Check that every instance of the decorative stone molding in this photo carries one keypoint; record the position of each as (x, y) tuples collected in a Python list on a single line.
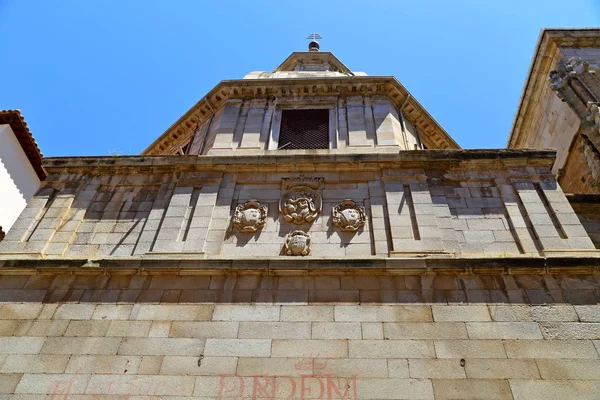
[(432, 132), (313, 183), (348, 216), (297, 243), (250, 216), (593, 113), (300, 205), (557, 80), (576, 66)]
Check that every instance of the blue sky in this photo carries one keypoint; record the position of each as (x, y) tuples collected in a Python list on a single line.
[(99, 77)]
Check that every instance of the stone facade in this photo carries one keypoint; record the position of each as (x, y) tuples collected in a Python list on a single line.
[(98, 335), (375, 269)]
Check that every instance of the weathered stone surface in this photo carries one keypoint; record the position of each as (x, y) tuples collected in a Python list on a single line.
[(471, 389), (554, 390)]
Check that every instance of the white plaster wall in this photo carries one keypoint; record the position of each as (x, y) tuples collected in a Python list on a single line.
[(18, 180)]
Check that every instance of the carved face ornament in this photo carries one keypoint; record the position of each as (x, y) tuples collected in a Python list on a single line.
[(297, 243), (250, 216), (348, 216), (300, 205)]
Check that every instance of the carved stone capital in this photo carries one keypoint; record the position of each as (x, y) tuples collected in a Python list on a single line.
[(348, 216), (297, 243), (250, 216)]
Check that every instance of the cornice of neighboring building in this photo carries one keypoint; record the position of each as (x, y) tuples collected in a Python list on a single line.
[(18, 125), (434, 136), (543, 60)]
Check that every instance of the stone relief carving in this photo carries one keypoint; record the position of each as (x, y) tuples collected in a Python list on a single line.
[(348, 216), (593, 113), (576, 66), (557, 80), (313, 183), (301, 203), (250, 216), (297, 243)]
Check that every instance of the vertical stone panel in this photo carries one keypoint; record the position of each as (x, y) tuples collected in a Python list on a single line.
[(212, 129), (200, 137), (67, 231), (342, 131), (266, 126), (412, 217), (254, 123), (370, 121), (225, 126), (387, 123), (537, 213), (154, 219), (219, 219), (171, 224), (239, 126), (199, 221), (377, 214), (357, 134)]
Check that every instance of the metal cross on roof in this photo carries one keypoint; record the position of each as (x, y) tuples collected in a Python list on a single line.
[(314, 36)]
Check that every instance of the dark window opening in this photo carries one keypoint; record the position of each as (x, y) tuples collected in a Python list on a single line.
[(183, 150), (304, 129)]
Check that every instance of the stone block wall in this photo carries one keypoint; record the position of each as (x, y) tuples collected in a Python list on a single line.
[(474, 208), (356, 123), (105, 334)]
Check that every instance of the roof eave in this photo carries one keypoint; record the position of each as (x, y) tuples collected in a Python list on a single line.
[(221, 86)]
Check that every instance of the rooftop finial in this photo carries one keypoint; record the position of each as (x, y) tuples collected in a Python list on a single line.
[(314, 45)]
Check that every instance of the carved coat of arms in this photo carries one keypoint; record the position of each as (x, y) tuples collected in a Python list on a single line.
[(301, 203), (250, 216), (349, 216), (297, 243)]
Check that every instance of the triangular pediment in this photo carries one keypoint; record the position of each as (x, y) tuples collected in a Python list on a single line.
[(313, 61)]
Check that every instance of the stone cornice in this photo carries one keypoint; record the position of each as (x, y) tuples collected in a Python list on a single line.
[(304, 161), (573, 264), (434, 136), (550, 40)]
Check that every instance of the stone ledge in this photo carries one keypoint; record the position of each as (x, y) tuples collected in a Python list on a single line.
[(288, 161), (304, 266)]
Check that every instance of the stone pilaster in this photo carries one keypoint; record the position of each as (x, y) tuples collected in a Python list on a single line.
[(225, 126), (254, 125), (342, 131), (386, 122), (357, 134)]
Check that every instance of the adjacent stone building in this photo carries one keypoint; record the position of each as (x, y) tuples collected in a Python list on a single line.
[(559, 110), (307, 233)]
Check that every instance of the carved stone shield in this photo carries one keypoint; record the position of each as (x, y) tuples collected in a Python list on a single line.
[(349, 216), (250, 216), (300, 205), (297, 243)]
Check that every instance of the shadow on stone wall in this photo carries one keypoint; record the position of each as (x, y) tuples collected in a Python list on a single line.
[(318, 289)]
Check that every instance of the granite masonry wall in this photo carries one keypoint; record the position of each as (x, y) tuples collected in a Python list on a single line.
[(355, 122), (169, 207), (472, 277), (106, 335)]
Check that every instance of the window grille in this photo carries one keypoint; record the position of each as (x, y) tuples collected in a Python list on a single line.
[(304, 129)]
